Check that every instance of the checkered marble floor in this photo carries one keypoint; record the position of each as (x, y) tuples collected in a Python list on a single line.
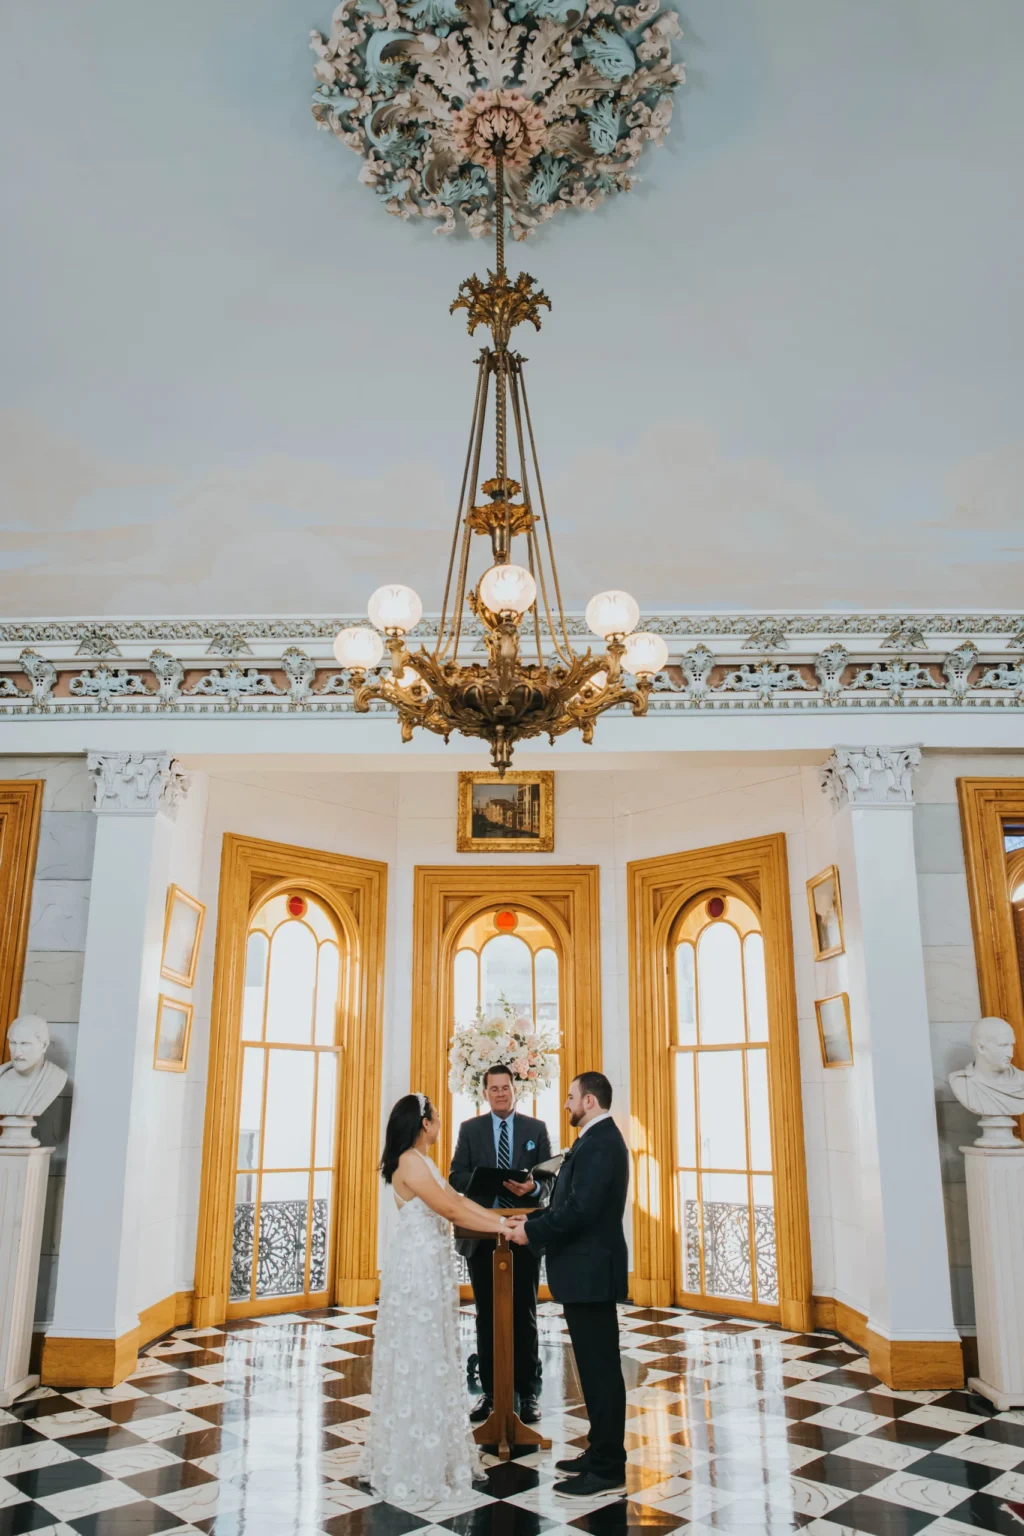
[(254, 1429)]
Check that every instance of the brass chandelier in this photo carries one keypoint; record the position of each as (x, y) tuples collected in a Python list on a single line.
[(508, 699)]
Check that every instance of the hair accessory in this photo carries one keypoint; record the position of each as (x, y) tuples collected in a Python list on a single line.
[(423, 1103)]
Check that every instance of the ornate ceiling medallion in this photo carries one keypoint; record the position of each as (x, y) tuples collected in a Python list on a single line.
[(421, 90)]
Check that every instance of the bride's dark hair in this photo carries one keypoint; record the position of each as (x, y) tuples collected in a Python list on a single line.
[(404, 1125)]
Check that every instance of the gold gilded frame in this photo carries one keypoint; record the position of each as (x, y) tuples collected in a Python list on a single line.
[(984, 804), (659, 889), (818, 1006), (465, 842), (21, 806), (355, 891), (445, 899), (182, 1007), (174, 895), (831, 873)]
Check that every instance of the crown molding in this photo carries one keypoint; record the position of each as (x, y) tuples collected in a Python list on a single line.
[(213, 636)]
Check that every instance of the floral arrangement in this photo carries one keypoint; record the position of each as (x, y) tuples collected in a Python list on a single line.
[(499, 1039), (584, 86)]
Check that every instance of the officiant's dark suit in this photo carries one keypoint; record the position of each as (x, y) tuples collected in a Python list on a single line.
[(580, 1234), (479, 1145)]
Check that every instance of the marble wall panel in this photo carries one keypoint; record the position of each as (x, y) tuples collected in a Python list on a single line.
[(52, 984), (60, 913), (66, 842)]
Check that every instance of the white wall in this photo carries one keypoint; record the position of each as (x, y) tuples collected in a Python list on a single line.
[(601, 817)]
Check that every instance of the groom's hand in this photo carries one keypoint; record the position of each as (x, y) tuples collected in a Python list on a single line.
[(525, 1188), (517, 1231)]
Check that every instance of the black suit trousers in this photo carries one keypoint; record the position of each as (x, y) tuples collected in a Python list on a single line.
[(594, 1332), (526, 1353)]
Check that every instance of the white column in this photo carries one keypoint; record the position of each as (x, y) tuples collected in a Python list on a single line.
[(907, 1258), (98, 1259)]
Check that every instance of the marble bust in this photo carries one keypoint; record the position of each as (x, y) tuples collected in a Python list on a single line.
[(991, 1086), (28, 1082)]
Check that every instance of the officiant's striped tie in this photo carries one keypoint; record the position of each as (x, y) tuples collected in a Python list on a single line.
[(504, 1161)]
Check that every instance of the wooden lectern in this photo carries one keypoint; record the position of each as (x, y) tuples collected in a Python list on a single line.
[(504, 1428)]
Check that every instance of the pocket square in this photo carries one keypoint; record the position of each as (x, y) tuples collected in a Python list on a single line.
[(531, 1146)]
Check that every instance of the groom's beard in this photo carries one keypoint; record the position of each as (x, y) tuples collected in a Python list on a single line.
[(575, 1118)]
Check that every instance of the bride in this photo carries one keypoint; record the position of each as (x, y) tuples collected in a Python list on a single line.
[(419, 1449)]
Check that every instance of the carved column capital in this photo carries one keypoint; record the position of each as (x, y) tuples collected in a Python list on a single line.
[(137, 783), (870, 776)]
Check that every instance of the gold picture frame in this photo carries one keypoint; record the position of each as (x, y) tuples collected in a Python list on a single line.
[(184, 916), (835, 1035), (173, 1034), (825, 907), (514, 814)]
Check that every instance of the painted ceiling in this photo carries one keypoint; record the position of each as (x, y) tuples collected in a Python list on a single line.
[(786, 372)]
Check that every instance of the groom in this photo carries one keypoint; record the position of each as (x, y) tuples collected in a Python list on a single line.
[(580, 1234), (503, 1139)]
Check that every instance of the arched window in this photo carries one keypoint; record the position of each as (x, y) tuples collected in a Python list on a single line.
[(510, 953), (723, 1143), (287, 1126)]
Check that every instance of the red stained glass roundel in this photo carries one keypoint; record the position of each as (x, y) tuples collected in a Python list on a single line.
[(716, 907), (297, 906), (505, 921)]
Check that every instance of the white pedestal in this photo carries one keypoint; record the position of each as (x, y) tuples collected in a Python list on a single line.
[(23, 1175), (995, 1210)]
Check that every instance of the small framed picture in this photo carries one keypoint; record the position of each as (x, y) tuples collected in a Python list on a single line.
[(173, 1031), (834, 1030), (515, 814), (183, 932), (826, 910)]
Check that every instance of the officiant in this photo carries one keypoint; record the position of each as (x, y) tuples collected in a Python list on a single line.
[(503, 1138)]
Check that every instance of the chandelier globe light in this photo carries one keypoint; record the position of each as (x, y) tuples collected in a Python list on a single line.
[(498, 694), (395, 609), (612, 613), (644, 654), (358, 647)]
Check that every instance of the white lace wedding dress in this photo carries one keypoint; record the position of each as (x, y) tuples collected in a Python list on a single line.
[(419, 1449)]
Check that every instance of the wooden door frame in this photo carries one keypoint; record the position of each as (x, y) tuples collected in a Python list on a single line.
[(755, 870), (983, 805), (445, 898), (355, 891), (21, 808)]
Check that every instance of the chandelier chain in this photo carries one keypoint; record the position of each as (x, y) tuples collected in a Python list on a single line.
[(547, 531), (443, 637)]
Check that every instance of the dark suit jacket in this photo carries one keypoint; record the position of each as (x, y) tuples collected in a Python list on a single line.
[(475, 1149), (580, 1232)]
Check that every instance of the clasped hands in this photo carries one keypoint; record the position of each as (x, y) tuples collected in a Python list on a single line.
[(515, 1229)]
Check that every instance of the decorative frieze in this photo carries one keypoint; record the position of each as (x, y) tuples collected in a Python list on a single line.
[(870, 776), (192, 671), (137, 783)]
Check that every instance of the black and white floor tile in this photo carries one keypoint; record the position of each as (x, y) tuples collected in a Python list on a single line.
[(255, 1429)]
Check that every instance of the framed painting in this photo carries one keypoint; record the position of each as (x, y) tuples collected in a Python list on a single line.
[(183, 932), (834, 1033), (515, 814), (173, 1032), (826, 913)]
